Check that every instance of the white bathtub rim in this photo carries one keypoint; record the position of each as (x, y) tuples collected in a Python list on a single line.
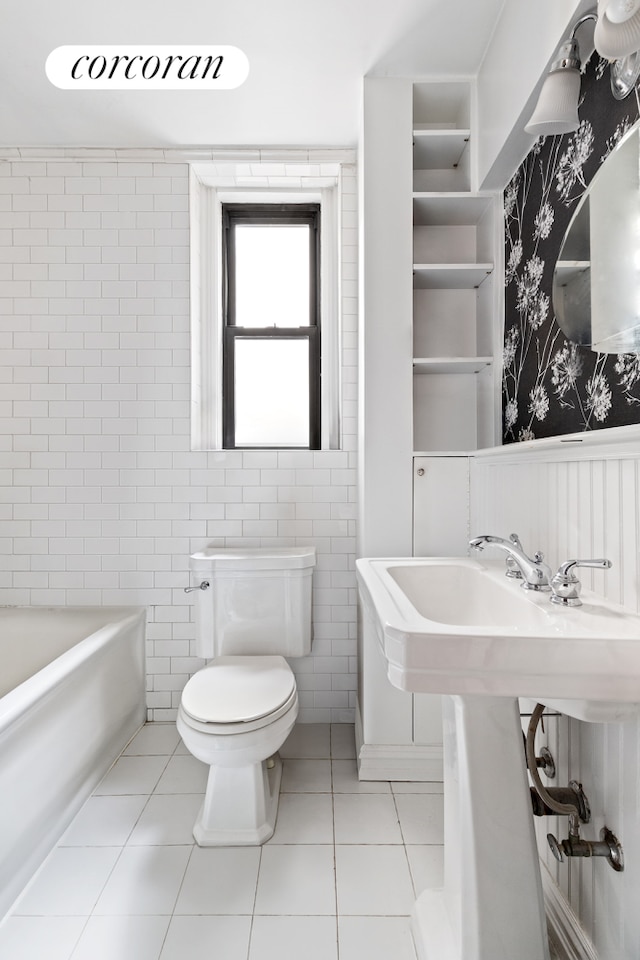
[(17, 701)]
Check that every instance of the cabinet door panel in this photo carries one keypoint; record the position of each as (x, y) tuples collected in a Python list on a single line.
[(440, 506)]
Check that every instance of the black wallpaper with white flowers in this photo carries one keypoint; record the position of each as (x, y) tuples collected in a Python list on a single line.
[(551, 386)]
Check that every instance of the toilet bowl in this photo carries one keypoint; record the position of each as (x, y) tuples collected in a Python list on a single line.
[(237, 711), (236, 714)]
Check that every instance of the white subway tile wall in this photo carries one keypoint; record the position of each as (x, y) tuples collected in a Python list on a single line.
[(101, 498)]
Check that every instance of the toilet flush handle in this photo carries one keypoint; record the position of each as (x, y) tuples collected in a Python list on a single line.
[(204, 585)]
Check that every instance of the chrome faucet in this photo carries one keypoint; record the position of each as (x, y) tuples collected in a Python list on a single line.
[(536, 575)]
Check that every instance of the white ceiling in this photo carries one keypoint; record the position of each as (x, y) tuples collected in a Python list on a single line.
[(307, 59)]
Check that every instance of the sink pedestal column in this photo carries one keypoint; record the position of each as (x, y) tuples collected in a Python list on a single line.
[(491, 907)]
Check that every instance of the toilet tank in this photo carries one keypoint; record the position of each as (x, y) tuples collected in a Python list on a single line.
[(258, 601)]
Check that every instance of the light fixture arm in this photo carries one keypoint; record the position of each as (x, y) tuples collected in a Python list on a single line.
[(568, 54), (578, 24), (568, 57)]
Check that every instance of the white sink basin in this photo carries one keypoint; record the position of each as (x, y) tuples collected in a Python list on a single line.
[(462, 593), (459, 626)]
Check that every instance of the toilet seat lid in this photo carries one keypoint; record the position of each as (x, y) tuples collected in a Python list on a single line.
[(236, 689)]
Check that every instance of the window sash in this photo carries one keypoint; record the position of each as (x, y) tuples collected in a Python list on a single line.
[(231, 336), (270, 214)]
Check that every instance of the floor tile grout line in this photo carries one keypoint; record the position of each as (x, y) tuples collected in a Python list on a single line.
[(404, 847), (255, 899), (97, 899), (130, 834), (146, 756), (335, 857), (175, 902), (79, 937)]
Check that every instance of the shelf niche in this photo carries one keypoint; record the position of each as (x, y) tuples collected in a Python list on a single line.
[(441, 134)]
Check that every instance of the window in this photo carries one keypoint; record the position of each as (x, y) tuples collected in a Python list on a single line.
[(271, 325), (218, 191)]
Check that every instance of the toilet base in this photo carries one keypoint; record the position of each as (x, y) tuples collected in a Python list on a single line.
[(240, 805)]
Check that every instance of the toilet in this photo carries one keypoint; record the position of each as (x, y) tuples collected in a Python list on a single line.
[(253, 609)]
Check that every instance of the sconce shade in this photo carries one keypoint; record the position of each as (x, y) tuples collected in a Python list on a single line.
[(557, 108), (617, 31)]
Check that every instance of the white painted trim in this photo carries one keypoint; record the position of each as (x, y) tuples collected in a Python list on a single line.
[(615, 443), (565, 933), (184, 154), (206, 345), (414, 763), (330, 313), (397, 762), (210, 187), (394, 762)]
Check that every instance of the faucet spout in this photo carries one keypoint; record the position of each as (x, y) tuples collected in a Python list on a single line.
[(536, 575)]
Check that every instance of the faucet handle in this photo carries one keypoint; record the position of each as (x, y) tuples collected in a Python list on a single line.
[(566, 585), (513, 570)]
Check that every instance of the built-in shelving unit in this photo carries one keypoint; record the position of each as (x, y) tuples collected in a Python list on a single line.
[(453, 265), (431, 252)]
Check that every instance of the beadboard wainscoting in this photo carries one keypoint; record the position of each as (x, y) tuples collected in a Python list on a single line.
[(102, 498), (581, 499)]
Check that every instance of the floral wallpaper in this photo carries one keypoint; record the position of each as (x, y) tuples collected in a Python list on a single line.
[(551, 386)]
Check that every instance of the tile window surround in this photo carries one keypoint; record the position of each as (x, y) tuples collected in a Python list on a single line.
[(101, 498)]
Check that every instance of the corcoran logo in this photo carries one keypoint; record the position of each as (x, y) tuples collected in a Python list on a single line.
[(144, 67)]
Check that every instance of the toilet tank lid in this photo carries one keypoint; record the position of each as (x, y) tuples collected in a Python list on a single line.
[(253, 558)]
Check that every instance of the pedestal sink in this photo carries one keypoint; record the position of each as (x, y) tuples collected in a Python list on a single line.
[(459, 627)]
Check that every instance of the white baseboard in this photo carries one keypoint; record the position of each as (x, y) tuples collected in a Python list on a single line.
[(416, 762), (565, 933)]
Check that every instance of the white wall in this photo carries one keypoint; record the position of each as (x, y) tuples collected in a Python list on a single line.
[(523, 44), (386, 327), (569, 507), (101, 498)]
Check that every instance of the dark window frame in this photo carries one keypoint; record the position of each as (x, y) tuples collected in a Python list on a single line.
[(234, 214)]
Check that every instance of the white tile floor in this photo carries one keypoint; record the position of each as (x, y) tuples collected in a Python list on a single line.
[(335, 882)]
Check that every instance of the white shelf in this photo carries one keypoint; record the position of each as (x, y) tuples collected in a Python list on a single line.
[(438, 128), (456, 209), (568, 269), (450, 276), (444, 453), (437, 148), (455, 365)]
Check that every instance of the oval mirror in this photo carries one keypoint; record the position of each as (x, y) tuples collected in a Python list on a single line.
[(596, 283)]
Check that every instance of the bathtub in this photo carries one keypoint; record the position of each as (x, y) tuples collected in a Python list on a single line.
[(72, 689)]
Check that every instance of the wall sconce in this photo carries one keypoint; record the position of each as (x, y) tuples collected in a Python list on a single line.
[(557, 107), (617, 32), (616, 37)]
